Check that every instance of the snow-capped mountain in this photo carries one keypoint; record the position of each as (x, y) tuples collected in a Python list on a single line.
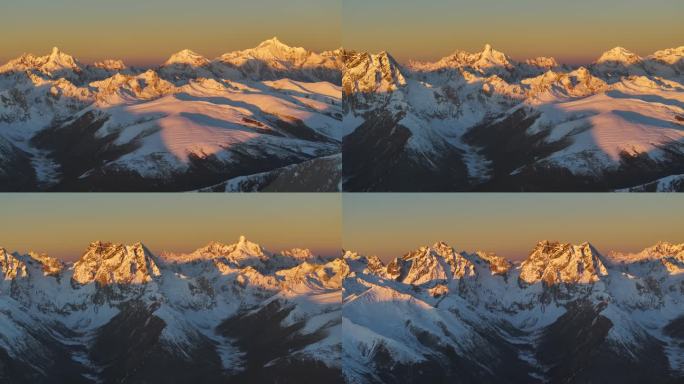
[(483, 121), (189, 124), (225, 313), (272, 60), (566, 313)]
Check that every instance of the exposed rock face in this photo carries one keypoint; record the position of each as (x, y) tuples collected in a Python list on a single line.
[(555, 263), (50, 265), (11, 266), (498, 264), (108, 263)]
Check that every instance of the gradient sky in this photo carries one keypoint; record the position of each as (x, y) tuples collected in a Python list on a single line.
[(575, 32), (64, 224), (390, 225), (148, 31)]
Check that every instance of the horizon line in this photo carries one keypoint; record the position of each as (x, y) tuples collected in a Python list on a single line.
[(157, 61), (515, 260), (164, 252), (435, 58)]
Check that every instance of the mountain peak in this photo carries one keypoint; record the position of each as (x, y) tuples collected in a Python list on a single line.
[(187, 57), (110, 263), (371, 73), (669, 56), (242, 254), (11, 267), (110, 64), (490, 57), (620, 55), (497, 264), (553, 262), (658, 251), (542, 62), (247, 247), (487, 61), (276, 49), (437, 263), (273, 41), (59, 61), (51, 266), (298, 253)]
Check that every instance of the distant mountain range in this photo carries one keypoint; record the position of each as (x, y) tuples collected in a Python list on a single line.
[(566, 314), (237, 313), (189, 124), (485, 122), (225, 313), (279, 118)]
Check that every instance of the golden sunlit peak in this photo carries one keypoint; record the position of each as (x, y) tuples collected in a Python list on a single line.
[(187, 56), (619, 54), (272, 41), (57, 53), (275, 43)]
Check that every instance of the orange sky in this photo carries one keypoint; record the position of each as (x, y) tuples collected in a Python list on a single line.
[(63, 224), (388, 225), (510, 224), (575, 32), (145, 32)]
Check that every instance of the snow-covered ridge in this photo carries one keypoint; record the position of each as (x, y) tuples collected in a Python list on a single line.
[(113, 263), (272, 53), (549, 262)]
